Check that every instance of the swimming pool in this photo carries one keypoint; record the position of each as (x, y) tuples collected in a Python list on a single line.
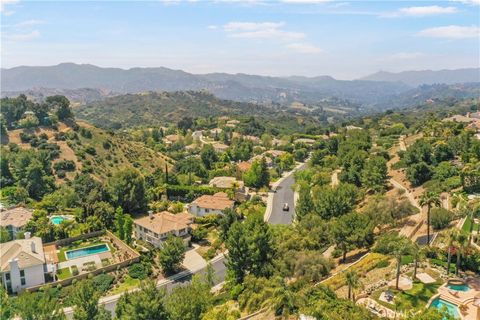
[(82, 252), (452, 309), (458, 287), (56, 220)]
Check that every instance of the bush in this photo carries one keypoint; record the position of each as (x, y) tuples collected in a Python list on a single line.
[(103, 282), (74, 270), (199, 234), (65, 165), (91, 150), (382, 264), (138, 271), (440, 218)]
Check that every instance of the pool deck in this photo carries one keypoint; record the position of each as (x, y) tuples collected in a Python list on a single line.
[(461, 297), (97, 258)]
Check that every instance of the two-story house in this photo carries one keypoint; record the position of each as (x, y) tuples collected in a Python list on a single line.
[(22, 263), (156, 227)]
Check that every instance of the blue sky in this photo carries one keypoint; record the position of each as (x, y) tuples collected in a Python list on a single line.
[(345, 39)]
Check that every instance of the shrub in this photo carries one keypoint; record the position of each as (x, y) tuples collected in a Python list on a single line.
[(440, 218), (382, 264), (91, 150), (103, 282), (199, 234), (138, 271), (65, 165), (74, 270)]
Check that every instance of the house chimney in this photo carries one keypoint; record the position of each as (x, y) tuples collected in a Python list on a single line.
[(33, 247), (27, 235), (150, 214)]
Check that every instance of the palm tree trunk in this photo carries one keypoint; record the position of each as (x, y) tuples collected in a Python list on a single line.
[(471, 231), (458, 262), (428, 225), (449, 259), (353, 296), (399, 261), (349, 291), (415, 268)]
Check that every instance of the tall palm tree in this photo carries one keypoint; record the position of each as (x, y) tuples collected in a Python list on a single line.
[(418, 254), (283, 301), (429, 199), (401, 248), (462, 245), (473, 212), (452, 236), (353, 282)]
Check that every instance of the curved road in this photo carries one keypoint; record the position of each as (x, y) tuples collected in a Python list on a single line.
[(283, 193)]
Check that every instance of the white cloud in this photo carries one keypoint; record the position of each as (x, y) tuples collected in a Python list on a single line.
[(212, 27), (23, 36), (419, 11), (406, 55), (451, 32), (304, 48), (29, 23), (261, 30), (4, 3), (469, 2), (306, 1)]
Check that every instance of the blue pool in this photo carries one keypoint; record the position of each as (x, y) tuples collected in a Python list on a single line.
[(458, 287), (56, 220), (77, 253), (442, 304)]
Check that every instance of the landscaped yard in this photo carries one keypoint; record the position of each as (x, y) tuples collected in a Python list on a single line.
[(467, 224), (127, 284), (64, 273), (413, 299)]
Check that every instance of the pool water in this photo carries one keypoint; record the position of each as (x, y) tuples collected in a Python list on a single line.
[(56, 220), (459, 287), (440, 304), (77, 253)]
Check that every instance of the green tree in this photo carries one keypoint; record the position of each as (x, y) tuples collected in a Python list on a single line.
[(374, 174), (62, 104), (6, 305), (304, 204), (85, 298), (127, 188), (257, 176), (418, 173), (6, 177), (353, 283), (105, 213), (451, 236), (190, 301), (238, 258), (332, 202), (38, 306), (208, 156), (148, 303), (128, 228), (120, 222), (4, 235), (462, 244), (429, 199), (352, 230), (228, 218), (36, 181), (172, 254)]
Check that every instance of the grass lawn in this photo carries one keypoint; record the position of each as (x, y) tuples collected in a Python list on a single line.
[(73, 246), (128, 284), (467, 224), (413, 299), (64, 273)]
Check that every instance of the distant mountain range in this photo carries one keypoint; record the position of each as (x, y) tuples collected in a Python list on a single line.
[(86, 83), (416, 78)]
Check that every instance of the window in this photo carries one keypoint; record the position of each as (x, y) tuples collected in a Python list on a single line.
[(7, 276), (22, 277)]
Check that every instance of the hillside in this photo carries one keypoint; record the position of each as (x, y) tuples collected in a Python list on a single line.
[(165, 108), (239, 87), (416, 78), (91, 149)]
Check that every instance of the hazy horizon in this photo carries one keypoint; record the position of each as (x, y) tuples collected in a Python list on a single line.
[(345, 40)]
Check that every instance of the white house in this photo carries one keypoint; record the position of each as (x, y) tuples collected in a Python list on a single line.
[(22, 263), (15, 219), (208, 204), (155, 228), (227, 183)]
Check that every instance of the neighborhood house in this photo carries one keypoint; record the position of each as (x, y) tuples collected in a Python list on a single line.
[(15, 219), (22, 263), (155, 228), (208, 204), (227, 183)]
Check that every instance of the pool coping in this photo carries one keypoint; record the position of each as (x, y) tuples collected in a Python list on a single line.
[(95, 245), (439, 296)]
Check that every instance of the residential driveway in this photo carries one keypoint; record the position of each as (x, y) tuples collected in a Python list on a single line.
[(193, 261)]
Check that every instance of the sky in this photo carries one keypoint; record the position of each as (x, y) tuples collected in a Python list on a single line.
[(344, 39)]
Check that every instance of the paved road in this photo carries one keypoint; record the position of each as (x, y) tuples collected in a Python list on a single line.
[(284, 194)]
